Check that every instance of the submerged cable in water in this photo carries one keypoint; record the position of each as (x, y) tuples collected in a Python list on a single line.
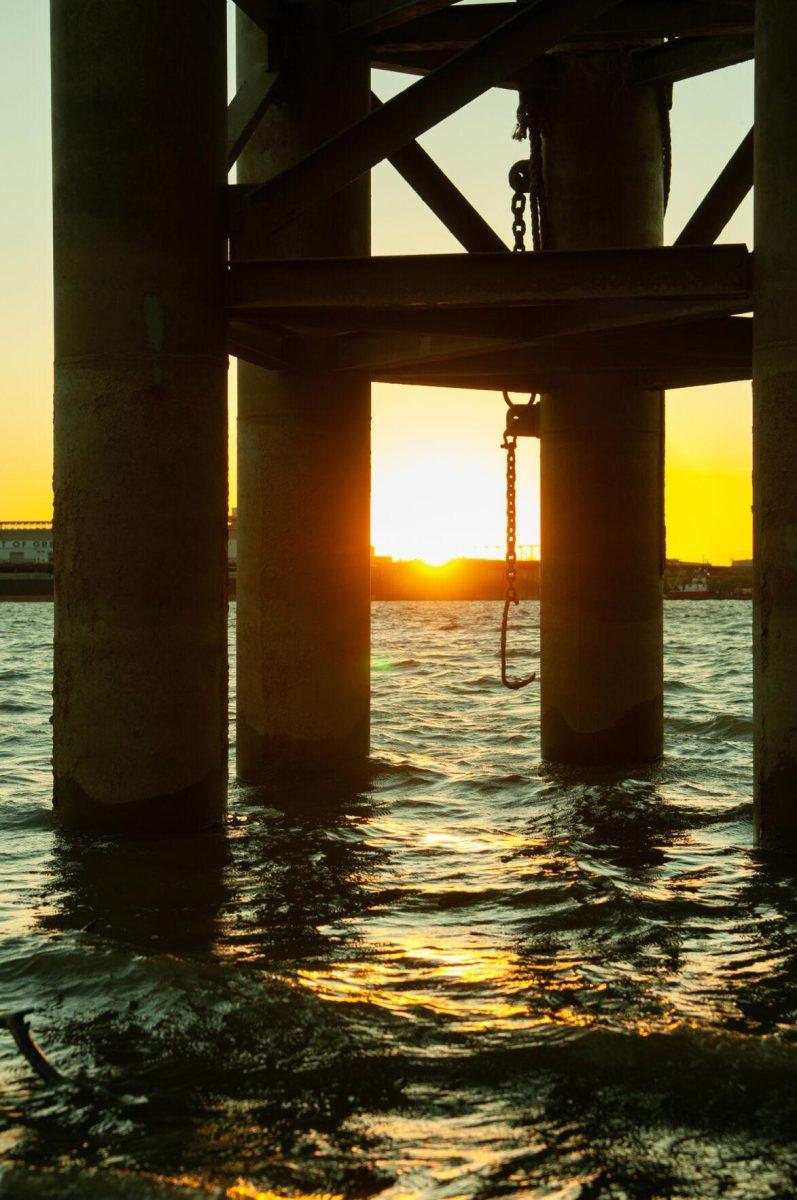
[(19, 1029)]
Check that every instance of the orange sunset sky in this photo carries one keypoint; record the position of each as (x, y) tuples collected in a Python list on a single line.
[(437, 468)]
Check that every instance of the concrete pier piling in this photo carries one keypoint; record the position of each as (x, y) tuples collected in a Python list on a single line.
[(601, 447), (303, 691), (139, 138), (775, 428)]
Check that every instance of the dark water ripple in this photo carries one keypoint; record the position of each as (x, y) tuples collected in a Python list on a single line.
[(464, 975)]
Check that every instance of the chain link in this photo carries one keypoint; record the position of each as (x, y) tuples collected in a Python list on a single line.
[(528, 177), (518, 222), (510, 445)]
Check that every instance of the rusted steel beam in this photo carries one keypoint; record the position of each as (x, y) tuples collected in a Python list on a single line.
[(259, 344), (683, 58), (421, 172), (681, 356), (408, 62), (727, 341), (408, 351), (247, 107), (669, 378), (445, 200), (324, 171), (722, 199), (687, 57), (401, 350), (672, 18), (633, 20), (262, 12), (526, 324), (451, 31), (464, 281), (723, 346), (364, 18), (542, 73)]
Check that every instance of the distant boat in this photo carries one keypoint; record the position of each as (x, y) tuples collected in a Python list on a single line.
[(692, 587)]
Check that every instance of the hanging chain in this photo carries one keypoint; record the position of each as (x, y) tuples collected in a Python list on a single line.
[(538, 201), (510, 445), (529, 177), (524, 177), (510, 595)]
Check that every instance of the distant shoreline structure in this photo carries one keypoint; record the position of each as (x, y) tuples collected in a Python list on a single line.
[(26, 565)]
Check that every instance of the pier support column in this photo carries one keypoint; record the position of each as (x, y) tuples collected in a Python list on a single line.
[(304, 449), (139, 138), (775, 428), (601, 447)]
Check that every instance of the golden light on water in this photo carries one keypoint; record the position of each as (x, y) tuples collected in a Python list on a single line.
[(240, 1190), (246, 1191), (480, 989), (477, 987)]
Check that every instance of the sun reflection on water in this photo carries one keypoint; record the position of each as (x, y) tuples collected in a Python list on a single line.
[(241, 1190), (473, 987)]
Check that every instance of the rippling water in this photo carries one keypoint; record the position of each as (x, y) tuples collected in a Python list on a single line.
[(475, 977)]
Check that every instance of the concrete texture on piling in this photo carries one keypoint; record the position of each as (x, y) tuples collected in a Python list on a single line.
[(775, 428), (602, 443), (140, 688), (303, 691)]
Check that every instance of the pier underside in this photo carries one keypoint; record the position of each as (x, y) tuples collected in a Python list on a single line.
[(600, 319)]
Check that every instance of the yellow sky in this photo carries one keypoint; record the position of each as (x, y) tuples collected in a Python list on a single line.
[(437, 466), (440, 490)]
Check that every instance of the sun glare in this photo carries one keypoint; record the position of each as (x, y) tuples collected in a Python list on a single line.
[(441, 560), (439, 488)]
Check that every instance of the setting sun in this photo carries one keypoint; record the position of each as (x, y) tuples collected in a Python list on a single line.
[(438, 487)]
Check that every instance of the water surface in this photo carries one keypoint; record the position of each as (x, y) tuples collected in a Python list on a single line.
[(469, 976)]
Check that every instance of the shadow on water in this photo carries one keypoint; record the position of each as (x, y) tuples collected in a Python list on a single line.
[(618, 813), (602, 843), (766, 973), (302, 861), (181, 1009), (149, 896)]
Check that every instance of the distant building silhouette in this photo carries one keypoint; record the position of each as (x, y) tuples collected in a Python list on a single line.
[(26, 542)]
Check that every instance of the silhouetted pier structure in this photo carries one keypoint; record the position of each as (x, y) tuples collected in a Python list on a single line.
[(162, 270)]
